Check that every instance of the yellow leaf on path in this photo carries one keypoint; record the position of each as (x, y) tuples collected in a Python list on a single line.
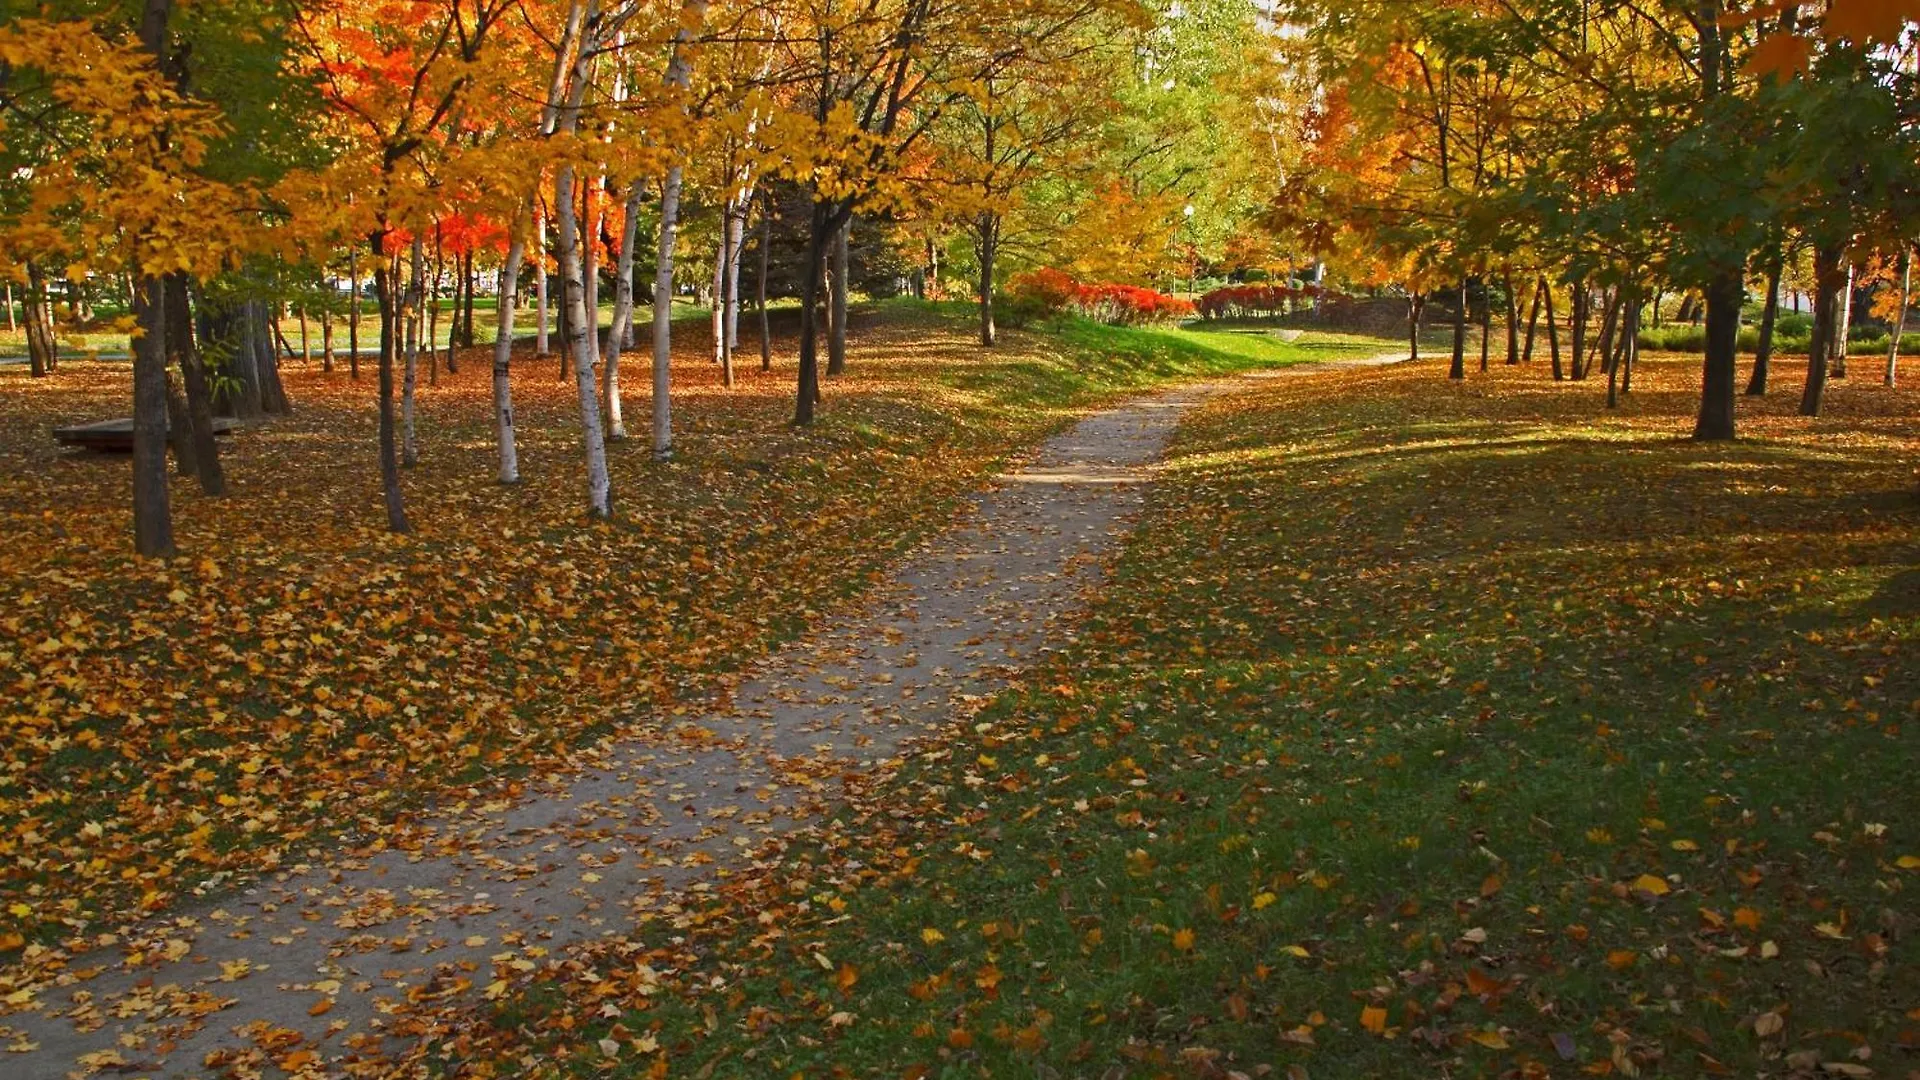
[(1651, 884), (1374, 1019), (321, 1007)]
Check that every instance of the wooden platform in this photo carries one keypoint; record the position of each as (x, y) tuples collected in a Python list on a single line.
[(116, 436)]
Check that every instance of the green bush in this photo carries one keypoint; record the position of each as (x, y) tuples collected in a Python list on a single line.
[(1683, 338)]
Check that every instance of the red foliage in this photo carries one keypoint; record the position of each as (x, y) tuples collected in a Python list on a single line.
[(1107, 302), (1242, 301)]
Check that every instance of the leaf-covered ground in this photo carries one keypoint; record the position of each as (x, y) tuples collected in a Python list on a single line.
[(301, 677), (1424, 730)]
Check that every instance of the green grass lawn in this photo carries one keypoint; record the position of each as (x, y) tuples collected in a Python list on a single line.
[(107, 342), (1423, 731)]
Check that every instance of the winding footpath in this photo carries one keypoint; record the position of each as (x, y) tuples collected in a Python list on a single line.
[(319, 967)]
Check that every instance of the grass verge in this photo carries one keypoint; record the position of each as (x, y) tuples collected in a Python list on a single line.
[(300, 676), (1424, 730)]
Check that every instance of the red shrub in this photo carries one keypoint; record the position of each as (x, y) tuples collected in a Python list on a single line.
[(1247, 301)]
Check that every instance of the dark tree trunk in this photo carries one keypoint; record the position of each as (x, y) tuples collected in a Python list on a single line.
[(1829, 277), (383, 281), (152, 518), (1533, 321), (1763, 351), (1458, 370), (760, 287), (1415, 302), (837, 298), (1609, 322), (1577, 332), (1513, 323), (466, 318), (179, 431), (1630, 344), (986, 243), (1553, 332), (193, 374), (353, 318), (272, 394), (808, 392), (40, 343), (1486, 325)]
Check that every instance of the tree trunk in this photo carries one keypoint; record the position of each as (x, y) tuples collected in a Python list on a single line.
[(621, 332), (986, 244), (1609, 321), (727, 274), (422, 325), (1580, 299), (152, 518), (1458, 370), (837, 330), (540, 278), (736, 246), (580, 331), (1553, 332), (808, 392), (1829, 277), (760, 287), (663, 315), (326, 340), (199, 398), (1725, 296), (1486, 325), (1843, 330), (179, 431), (430, 305), (306, 345), (466, 319), (1415, 302), (1533, 320), (1513, 323), (12, 326), (40, 342), (353, 317), (504, 439), (1763, 350), (1900, 315), (384, 272), (1630, 344)]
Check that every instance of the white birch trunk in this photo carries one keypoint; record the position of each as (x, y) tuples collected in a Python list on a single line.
[(718, 314), (573, 294), (1839, 366), (663, 317), (679, 74), (736, 243), (540, 279), (573, 264), (503, 356), (621, 332)]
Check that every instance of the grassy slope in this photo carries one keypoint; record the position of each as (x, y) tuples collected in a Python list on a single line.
[(300, 671), (1568, 747)]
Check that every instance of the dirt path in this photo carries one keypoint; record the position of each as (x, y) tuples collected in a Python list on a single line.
[(320, 964)]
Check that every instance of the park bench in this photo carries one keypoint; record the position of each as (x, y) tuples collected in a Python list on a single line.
[(116, 436)]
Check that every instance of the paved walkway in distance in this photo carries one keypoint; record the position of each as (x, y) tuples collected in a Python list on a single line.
[(316, 966)]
